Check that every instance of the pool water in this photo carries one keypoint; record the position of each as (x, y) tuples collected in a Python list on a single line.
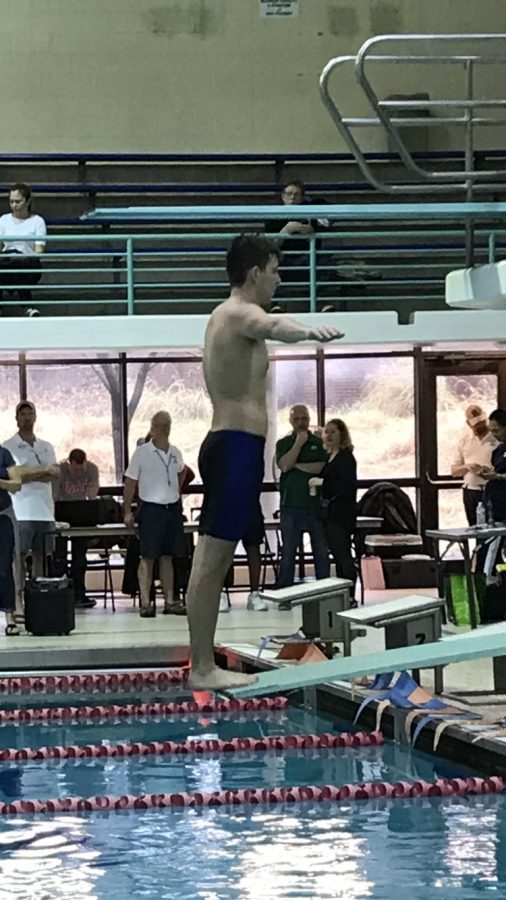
[(435, 850), (438, 848)]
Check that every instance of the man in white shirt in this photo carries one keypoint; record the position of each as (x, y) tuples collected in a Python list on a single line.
[(474, 452), (33, 504), (156, 471)]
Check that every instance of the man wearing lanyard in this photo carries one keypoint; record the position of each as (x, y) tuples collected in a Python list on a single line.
[(33, 504), (156, 470)]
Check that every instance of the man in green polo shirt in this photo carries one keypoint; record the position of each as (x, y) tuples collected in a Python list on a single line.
[(300, 455)]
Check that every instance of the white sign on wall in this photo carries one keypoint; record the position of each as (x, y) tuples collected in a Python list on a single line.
[(279, 8)]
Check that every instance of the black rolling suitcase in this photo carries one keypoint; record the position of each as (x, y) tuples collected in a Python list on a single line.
[(49, 606)]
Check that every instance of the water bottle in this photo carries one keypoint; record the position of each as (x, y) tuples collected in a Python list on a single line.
[(481, 515), (490, 513)]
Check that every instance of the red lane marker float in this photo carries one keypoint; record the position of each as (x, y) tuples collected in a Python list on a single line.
[(104, 681), (204, 719), (48, 713), (451, 787), (206, 745)]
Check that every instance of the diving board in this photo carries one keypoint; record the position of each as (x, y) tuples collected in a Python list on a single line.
[(341, 212), (478, 645)]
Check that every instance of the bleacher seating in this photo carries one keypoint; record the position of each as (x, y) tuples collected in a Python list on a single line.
[(391, 267)]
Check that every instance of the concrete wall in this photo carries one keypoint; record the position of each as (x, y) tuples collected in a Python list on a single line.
[(197, 75)]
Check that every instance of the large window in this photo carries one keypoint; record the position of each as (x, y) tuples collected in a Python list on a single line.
[(451, 508), (79, 406), (9, 396), (80, 403), (375, 397), (291, 381), (177, 387)]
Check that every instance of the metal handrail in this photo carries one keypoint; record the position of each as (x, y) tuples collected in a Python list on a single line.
[(424, 180)]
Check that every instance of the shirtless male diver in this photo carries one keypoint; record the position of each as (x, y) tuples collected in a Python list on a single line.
[(231, 459)]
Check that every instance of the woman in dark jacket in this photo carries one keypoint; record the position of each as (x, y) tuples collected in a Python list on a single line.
[(494, 495), (495, 475), (338, 482)]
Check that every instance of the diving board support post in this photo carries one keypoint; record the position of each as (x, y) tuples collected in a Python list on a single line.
[(488, 642), (499, 670)]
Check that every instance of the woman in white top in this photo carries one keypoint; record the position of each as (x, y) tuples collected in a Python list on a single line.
[(23, 237)]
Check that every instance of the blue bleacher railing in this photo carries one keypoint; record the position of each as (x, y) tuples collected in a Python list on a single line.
[(370, 256)]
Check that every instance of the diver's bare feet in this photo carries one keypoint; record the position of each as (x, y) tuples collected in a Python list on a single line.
[(219, 680)]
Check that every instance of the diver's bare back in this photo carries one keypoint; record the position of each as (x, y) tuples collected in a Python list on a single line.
[(235, 371)]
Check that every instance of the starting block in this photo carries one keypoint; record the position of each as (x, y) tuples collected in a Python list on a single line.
[(321, 603), (480, 287), (407, 621)]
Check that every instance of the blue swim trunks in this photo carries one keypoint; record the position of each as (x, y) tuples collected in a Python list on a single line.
[(231, 464)]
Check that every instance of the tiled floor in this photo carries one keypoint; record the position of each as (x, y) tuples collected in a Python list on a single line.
[(103, 638)]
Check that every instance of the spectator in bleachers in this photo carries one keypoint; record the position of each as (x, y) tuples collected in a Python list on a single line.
[(295, 262), (17, 253)]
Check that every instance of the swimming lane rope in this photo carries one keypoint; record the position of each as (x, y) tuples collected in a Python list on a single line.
[(103, 681), (443, 787), (195, 746), (57, 713)]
